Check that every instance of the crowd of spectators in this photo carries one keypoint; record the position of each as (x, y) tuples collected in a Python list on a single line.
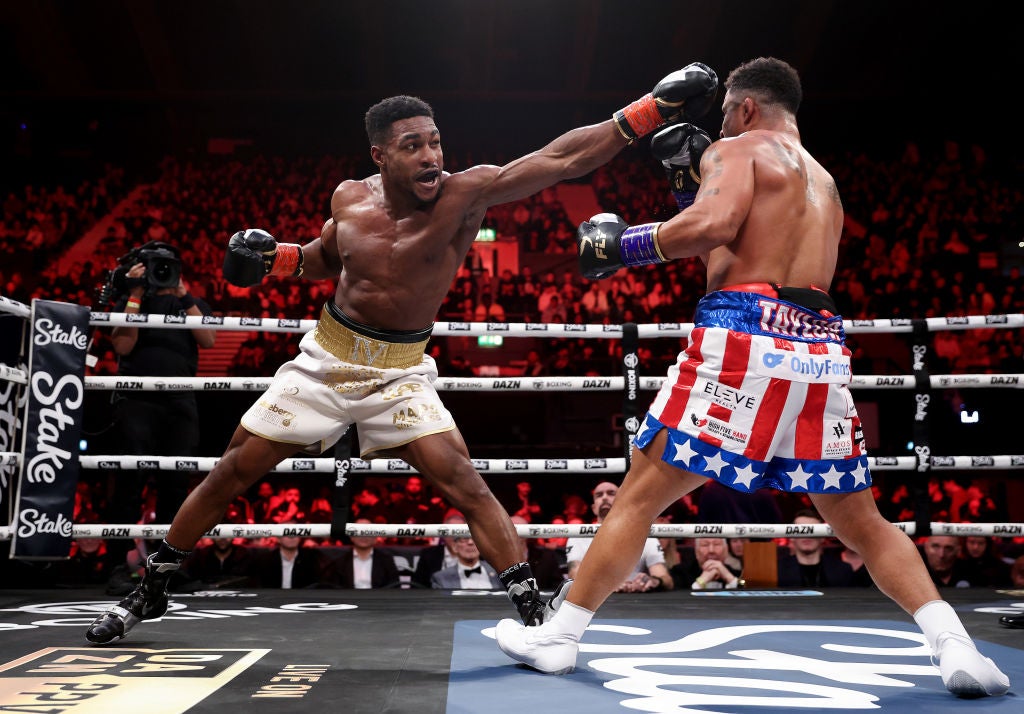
[(925, 236)]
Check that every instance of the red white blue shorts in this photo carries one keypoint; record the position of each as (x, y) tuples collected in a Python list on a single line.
[(760, 398)]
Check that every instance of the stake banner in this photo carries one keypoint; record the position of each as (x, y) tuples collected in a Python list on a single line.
[(12, 406), (49, 472)]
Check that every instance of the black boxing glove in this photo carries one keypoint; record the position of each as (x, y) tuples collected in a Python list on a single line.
[(679, 148), (607, 243), (686, 94), (253, 254)]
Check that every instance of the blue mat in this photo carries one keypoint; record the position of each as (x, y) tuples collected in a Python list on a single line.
[(723, 666)]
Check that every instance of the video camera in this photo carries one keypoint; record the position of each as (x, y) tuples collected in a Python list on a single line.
[(163, 270)]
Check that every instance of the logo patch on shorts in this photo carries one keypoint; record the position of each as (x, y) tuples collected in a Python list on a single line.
[(724, 396), (837, 439), (718, 428), (801, 367)]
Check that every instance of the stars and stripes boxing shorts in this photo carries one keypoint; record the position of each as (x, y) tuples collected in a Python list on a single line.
[(760, 398)]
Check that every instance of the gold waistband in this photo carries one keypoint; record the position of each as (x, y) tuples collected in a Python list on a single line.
[(349, 346)]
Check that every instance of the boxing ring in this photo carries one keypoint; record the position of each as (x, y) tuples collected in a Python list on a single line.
[(761, 649)]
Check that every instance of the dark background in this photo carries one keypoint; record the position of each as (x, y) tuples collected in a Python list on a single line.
[(85, 82), (131, 80)]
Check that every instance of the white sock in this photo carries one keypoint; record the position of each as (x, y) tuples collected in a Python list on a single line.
[(570, 620), (936, 617)]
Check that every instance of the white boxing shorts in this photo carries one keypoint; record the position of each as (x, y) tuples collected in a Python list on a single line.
[(347, 373), (760, 398)]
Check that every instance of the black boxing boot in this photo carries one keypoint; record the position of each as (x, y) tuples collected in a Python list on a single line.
[(524, 593), (147, 601)]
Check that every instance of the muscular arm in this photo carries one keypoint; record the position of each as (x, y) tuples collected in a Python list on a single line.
[(320, 257), (721, 206), (573, 154)]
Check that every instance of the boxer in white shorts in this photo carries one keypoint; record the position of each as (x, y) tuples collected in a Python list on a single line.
[(347, 373)]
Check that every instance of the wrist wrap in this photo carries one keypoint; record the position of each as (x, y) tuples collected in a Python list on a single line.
[(638, 245), (288, 260), (684, 199), (639, 118)]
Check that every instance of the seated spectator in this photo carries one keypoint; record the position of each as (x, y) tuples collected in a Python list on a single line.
[(706, 569), (289, 509), (290, 565), (362, 567), (649, 573), (987, 569), (88, 563), (264, 502), (223, 563), (469, 572), (416, 504), (543, 562), (369, 505), (942, 557), (488, 310), (522, 504), (437, 557), (810, 564), (1017, 573)]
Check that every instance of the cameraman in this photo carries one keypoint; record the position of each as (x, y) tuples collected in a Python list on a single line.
[(155, 423)]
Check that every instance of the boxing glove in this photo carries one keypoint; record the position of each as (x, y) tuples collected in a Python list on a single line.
[(679, 148), (607, 243), (253, 254), (685, 94)]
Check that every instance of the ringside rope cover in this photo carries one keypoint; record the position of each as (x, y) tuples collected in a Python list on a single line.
[(922, 445), (631, 375), (49, 471)]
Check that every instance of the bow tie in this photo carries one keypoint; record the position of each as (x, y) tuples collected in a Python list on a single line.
[(469, 571)]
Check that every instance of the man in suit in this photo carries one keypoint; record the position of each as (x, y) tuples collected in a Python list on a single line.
[(544, 563), (470, 573), (436, 557), (289, 565), (363, 567)]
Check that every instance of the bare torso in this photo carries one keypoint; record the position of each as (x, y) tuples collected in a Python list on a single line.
[(397, 269), (793, 222)]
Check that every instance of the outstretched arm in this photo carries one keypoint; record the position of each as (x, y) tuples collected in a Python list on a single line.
[(686, 93)]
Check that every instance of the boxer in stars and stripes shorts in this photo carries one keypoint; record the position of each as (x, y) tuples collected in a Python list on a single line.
[(760, 396)]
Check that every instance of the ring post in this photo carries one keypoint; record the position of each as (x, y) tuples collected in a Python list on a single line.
[(630, 370)]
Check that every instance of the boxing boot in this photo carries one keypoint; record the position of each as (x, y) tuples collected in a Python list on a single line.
[(965, 671), (147, 601), (541, 648), (557, 598)]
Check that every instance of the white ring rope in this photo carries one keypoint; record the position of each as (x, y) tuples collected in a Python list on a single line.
[(513, 329), (500, 466), (533, 384), (539, 530), (14, 307), (13, 374), (531, 329), (377, 466)]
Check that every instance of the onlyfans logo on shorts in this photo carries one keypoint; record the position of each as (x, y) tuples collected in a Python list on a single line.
[(53, 420)]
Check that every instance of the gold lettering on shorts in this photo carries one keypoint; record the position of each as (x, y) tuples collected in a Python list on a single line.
[(400, 391), (348, 379), (366, 351), (286, 415), (412, 416)]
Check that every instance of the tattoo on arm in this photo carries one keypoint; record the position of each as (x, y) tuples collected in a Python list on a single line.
[(833, 193)]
